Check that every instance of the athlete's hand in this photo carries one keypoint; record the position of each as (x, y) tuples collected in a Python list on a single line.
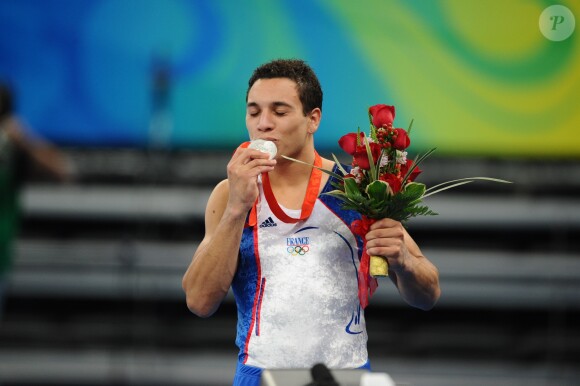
[(387, 238), (243, 171)]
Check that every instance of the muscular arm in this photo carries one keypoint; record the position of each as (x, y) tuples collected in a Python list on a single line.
[(416, 278), (209, 276)]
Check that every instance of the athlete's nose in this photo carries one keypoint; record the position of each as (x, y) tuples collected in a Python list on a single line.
[(265, 122)]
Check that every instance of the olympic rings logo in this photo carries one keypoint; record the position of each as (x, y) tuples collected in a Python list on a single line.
[(298, 250)]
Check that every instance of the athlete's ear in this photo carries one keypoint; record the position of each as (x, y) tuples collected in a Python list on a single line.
[(314, 120)]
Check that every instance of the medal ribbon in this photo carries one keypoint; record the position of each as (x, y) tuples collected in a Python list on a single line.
[(367, 285), (307, 205)]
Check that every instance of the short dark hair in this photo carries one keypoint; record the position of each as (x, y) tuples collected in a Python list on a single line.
[(309, 90)]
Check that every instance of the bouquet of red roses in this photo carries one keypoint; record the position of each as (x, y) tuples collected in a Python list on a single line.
[(381, 181)]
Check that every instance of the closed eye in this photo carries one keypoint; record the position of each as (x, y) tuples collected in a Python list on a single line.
[(252, 109), (253, 112)]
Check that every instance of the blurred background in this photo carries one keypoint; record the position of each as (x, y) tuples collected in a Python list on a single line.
[(145, 99)]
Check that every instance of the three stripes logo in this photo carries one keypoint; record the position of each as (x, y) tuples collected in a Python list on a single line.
[(268, 223)]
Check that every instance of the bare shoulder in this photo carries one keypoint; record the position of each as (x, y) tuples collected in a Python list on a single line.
[(327, 164), (222, 187), (218, 199)]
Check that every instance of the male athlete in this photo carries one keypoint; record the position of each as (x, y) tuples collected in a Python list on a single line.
[(286, 249)]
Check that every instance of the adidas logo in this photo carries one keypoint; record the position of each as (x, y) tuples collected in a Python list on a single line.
[(268, 223)]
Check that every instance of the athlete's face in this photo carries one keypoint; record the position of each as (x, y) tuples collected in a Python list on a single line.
[(274, 112)]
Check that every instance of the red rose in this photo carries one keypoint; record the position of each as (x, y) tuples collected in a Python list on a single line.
[(382, 115), (405, 168), (393, 181), (362, 159), (402, 140), (348, 142)]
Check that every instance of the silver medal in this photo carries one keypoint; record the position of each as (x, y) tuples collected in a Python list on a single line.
[(264, 146)]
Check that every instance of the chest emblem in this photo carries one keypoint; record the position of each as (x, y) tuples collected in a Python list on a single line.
[(298, 245)]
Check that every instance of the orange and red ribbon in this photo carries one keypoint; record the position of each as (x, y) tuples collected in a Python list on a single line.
[(367, 285), (307, 205)]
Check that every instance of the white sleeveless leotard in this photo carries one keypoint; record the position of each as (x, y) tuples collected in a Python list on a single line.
[(296, 289)]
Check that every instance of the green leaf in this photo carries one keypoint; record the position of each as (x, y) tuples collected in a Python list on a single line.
[(351, 188), (339, 165), (416, 163), (461, 181), (414, 191), (373, 171), (336, 192), (373, 132), (378, 191)]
